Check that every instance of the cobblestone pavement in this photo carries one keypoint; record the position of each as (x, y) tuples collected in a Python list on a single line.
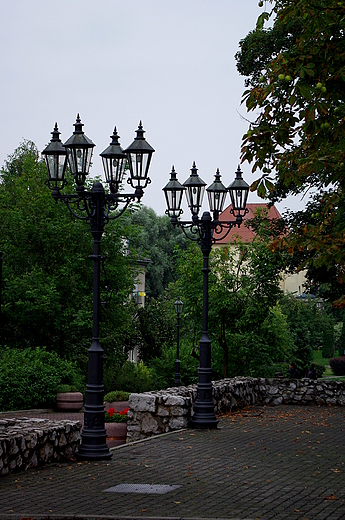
[(266, 463)]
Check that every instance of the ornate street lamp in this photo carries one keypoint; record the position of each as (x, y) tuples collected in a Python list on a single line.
[(97, 207), (206, 231), (178, 309)]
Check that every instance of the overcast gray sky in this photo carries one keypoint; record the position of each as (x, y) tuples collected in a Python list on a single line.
[(168, 62)]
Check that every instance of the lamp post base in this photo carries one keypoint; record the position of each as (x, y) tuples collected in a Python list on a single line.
[(92, 455), (204, 422), (204, 417), (94, 446)]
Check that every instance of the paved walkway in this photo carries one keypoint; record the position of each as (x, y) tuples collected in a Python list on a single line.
[(264, 463)]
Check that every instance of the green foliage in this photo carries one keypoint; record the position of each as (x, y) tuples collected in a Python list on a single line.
[(157, 321), (338, 366), (319, 370), (31, 378), (278, 335), (341, 342), (47, 276), (155, 238), (134, 378), (188, 288), (244, 289), (163, 367), (116, 395), (328, 336), (304, 323), (66, 388), (295, 74), (249, 333)]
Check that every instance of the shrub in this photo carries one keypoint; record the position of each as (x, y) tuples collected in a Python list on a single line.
[(341, 341), (319, 370), (338, 366), (31, 378), (66, 388), (164, 367), (328, 337), (116, 395), (134, 378)]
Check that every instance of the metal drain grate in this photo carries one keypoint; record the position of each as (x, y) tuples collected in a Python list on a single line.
[(146, 489)]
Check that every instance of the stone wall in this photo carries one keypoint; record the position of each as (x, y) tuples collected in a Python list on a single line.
[(301, 391), (153, 413), (26, 443)]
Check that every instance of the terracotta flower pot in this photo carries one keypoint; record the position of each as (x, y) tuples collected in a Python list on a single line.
[(116, 433), (69, 401)]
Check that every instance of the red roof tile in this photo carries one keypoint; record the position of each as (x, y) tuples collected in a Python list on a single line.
[(244, 233)]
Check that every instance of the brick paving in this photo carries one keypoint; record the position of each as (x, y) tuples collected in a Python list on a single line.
[(263, 463)]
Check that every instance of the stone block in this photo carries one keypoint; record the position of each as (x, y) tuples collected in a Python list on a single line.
[(173, 400), (13, 447), (149, 424), (162, 411), (178, 423), (178, 410), (133, 428), (142, 402)]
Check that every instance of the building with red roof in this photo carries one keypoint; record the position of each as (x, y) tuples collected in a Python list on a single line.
[(244, 233), (291, 283)]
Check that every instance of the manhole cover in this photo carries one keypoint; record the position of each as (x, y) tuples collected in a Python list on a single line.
[(156, 489)]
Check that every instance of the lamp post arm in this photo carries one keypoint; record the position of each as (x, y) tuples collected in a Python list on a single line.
[(193, 227), (113, 201), (74, 199)]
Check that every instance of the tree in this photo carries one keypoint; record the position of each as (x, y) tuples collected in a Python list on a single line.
[(243, 293), (296, 74), (157, 321), (47, 290), (154, 237), (244, 290)]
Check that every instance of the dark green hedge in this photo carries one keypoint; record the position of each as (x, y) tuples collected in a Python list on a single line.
[(30, 378), (338, 366)]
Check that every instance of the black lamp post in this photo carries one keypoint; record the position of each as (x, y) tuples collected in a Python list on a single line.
[(178, 309), (205, 231), (96, 207)]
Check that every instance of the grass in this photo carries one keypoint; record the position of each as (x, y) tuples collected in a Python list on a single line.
[(325, 362), (319, 359)]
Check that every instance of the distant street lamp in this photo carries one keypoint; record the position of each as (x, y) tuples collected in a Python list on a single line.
[(205, 231), (178, 309), (96, 207)]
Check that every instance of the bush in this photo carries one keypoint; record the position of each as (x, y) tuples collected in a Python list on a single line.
[(64, 388), (319, 370), (328, 337), (134, 378), (31, 378), (338, 366), (116, 395), (164, 367)]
